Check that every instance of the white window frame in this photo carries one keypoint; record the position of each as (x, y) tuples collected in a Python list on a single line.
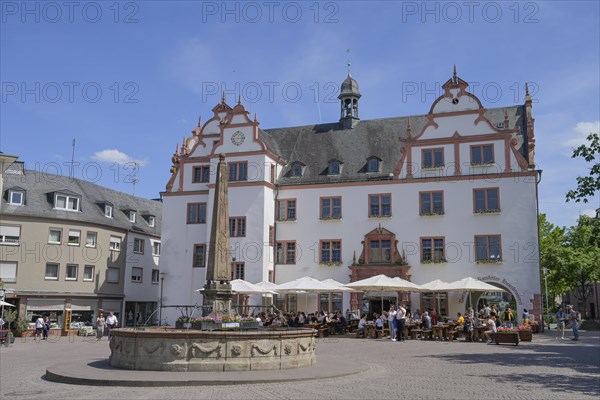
[(137, 278), (155, 247), (8, 238), (93, 269), (77, 235), (108, 273), (155, 274), (67, 278), (151, 220), (56, 230), (87, 237), (52, 278), (67, 201), (11, 199), (138, 242), (108, 211), (115, 243), (132, 216)]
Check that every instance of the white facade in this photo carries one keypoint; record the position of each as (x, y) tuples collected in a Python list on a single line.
[(475, 164)]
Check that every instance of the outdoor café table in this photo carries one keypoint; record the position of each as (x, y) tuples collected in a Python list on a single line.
[(439, 331), (478, 332)]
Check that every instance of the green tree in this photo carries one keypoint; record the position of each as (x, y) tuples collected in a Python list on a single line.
[(587, 186), (572, 257)]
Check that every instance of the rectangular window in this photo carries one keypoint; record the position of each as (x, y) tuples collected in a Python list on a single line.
[(201, 174), (286, 210), (10, 234), (16, 198), (155, 276), (331, 251), (237, 226), (237, 270), (285, 252), (156, 248), (431, 203), (380, 251), (132, 215), (238, 171), (51, 272), (91, 239), (331, 207), (486, 200), (138, 246), (115, 243), (487, 248), (55, 236), (380, 205), (271, 235), (88, 273), (71, 274), (439, 302), (8, 271), (74, 237), (432, 158), (112, 275), (151, 220), (136, 274), (65, 202), (108, 211), (199, 255), (432, 250), (196, 213), (482, 154)]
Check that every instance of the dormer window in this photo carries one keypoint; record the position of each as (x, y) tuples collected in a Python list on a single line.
[(132, 216), (334, 167), (16, 197), (151, 220), (66, 202), (108, 211), (297, 170), (373, 165)]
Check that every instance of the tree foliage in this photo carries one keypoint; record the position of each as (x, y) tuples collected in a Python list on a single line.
[(587, 186), (571, 256)]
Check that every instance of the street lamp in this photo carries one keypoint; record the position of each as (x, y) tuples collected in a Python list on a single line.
[(545, 271), (162, 281)]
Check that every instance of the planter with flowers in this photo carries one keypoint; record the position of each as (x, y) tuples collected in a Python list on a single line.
[(507, 335), (525, 333), (183, 323), (248, 323)]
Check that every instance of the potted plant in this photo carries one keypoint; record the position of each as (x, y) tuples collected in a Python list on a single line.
[(209, 323), (248, 323), (525, 333), (183, 323), (21, 326), (507, 335)]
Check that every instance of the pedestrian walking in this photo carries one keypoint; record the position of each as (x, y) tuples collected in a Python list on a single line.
[(100, 324), (46, 328), (561, 320), (111, 323), (39, 327), (574, 318), (400, 322)]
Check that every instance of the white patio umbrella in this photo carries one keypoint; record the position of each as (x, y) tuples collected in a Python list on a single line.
[(435, 286), (266, 285), (305, 284), (339, 287), (4, 304), (470, 284), (383, 283)]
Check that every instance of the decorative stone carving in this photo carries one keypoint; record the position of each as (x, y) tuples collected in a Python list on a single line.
[(236, 350), (287, 349), (178, 350), (263, 351), (151, 350), (205, 350)]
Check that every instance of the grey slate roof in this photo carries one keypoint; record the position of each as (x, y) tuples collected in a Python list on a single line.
[(39, 188), (315, 145)]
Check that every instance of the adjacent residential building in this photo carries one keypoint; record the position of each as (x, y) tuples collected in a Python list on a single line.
[(444, 195), (70, 244)]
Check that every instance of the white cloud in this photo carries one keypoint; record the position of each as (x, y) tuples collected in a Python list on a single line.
[(580, 132), (116, 156)]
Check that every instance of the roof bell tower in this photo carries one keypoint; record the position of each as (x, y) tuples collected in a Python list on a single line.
[(349, 96)]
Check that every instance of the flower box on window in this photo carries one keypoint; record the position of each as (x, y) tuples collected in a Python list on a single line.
[(330, 264), (490, 261), (431, 214), (489, 211)]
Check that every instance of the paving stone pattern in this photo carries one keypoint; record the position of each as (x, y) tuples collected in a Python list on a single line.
[(544, 369)]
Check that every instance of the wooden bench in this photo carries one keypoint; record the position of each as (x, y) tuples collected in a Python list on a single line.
[(381, 333), (426, 334), (360, 333), (415, 333)]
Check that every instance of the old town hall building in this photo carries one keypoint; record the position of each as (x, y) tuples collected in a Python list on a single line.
[(444, 195)]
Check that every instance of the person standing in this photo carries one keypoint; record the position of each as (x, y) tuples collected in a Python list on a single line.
[(46, 327), (100, 324), (574, 318), (111, 323), (561, 320), (400, 322), (39, 326), (391, 317)]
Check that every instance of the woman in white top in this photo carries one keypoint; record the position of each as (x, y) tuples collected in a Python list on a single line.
[(390, 318), (39, 326)]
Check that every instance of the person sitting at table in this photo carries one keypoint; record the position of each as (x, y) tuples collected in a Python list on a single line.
[(426, 320), (434, 318), (491, 325), (320, 316), (416, 315), (460, 320), (361, 324), (378, 322), (341, 324)]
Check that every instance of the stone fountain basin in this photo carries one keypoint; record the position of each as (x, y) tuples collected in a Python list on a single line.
[(181, 350)]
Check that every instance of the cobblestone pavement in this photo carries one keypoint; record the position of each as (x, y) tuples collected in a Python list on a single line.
[(544, 369)]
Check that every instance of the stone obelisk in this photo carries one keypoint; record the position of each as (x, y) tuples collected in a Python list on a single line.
[(217, 290)]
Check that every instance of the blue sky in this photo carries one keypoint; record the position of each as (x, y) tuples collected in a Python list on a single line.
[(128, 80)]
